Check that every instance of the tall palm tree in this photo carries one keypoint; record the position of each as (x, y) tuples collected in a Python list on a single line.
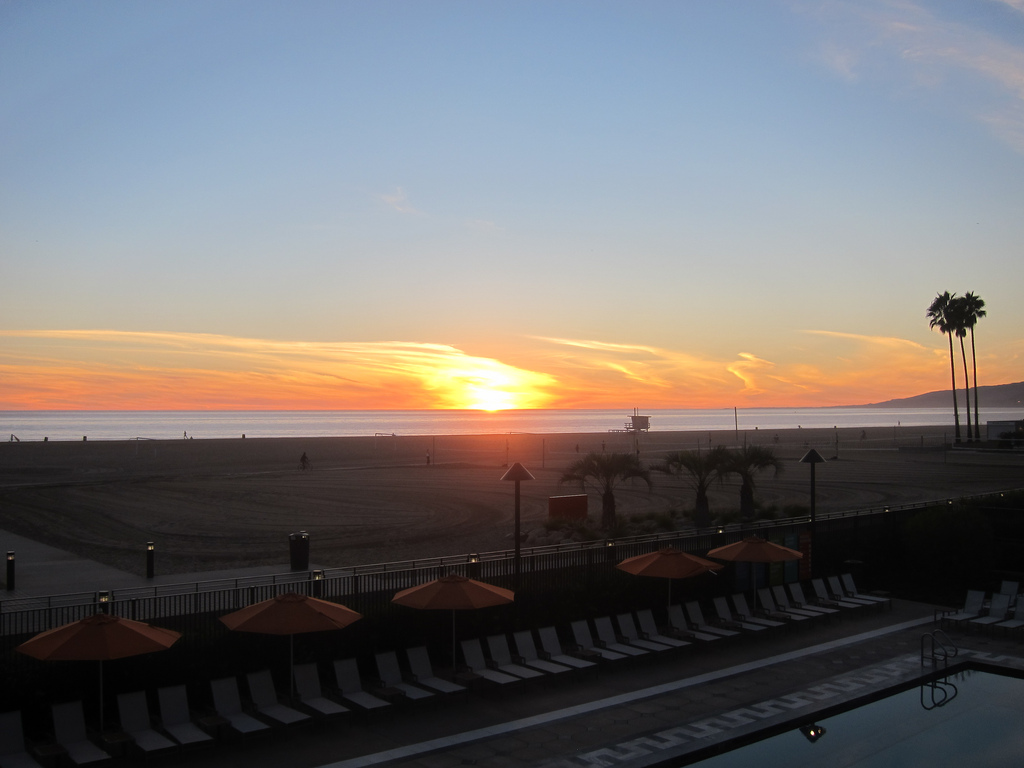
[(700, 470), (959, 319), (747, 462), (940, 316), (973, 310), (606, 471)]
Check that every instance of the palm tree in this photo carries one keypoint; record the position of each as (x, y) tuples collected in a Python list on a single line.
[(606, 471), (747, 462), (973, 308), (699, 470), (959, 319), (940, 316)]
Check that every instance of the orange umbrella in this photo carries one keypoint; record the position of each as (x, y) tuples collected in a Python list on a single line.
[(290, 614), (668, 563), (754, 549), (454, 593), (98, 638)]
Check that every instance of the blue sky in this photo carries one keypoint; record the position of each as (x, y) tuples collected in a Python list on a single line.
[(654, 203)]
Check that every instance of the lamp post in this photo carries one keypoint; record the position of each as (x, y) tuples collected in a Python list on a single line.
[(10, 570), (812, 457), (317, 577), (517, 473), (150, 560)]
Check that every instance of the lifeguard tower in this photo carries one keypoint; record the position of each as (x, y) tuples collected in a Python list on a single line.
[(636, 423)]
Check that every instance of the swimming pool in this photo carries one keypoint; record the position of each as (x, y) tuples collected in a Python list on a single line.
[(978, 726)]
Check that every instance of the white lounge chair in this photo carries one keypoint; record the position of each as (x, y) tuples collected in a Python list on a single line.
[(134, 716), (783, 602), (586, 645), (228, 704), (12, 743), (69, 731), (175, 716), (729, 619), (529, 655), (827, 598), (264, 699), (851, 591), (835, 588), (771, 606), (350, 686), (391, 677), (739, 601), (973, 605), (797, 592), (473, 655), (1016, 622), (501, 658), (628, 630), (608, 638), (997, 611), (695, 618), (310, 692), (681, 626), (552, 647), (651, 632), (423, 672)]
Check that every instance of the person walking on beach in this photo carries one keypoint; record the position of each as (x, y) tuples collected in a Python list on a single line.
[(304, 462)]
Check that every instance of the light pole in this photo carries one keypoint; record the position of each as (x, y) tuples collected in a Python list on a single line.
[(812, 457), (517, 473)]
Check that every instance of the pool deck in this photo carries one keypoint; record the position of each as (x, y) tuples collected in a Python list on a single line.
[(642, 712)]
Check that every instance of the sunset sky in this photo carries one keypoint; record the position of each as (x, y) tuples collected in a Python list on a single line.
[(212, 204)]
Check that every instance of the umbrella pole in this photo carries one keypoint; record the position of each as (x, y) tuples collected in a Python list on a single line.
[(101, 696)]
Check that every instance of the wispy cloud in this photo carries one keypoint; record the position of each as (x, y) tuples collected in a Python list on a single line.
[(399, 201), (911, 44)]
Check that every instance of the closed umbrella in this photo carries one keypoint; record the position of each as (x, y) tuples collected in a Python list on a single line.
[(98, 638), (668, 563), (290, 614), (454, 593)]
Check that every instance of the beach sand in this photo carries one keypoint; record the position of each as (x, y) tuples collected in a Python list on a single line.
[(213, 504)]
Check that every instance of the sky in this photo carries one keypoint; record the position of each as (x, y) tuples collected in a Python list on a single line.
[(592, 204)]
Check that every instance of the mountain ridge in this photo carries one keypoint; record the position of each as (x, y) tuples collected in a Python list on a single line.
[(993, 396)]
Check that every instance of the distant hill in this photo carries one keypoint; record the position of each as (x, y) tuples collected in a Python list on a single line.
[(998, 396)]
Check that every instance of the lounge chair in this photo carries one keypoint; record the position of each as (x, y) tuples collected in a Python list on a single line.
[(851, 591), (552, 648), (782, 602), (651, 632), (836, 589), (264, 699), (608, 638), (773, 609), (973, 604), (628, 630), (423, 672), (831, 599), (473, 655), (134, 715), (501, 658), (12, 743), (1010, 588), (1016, 622), (585, 643), (69, 732), (729, 619), (530, 657), (391, 677), (350, 686), (681, 627), (175, 717), (997, 611), (797, 593), (695, 617), (228, 704), (311, 695), (739, 601)]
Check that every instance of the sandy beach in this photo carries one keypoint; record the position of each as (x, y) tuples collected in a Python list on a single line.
[(211, 504)]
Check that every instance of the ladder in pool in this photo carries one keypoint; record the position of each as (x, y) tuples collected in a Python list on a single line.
[(937, 647)]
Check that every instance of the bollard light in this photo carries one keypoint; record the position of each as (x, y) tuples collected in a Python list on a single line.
[(10, 570), (150, 559), (103, 599), (318, 582)]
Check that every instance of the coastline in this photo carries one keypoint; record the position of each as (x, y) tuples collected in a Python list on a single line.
[(224, 503)]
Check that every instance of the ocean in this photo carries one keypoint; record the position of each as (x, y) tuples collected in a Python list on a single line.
[(169, 425)]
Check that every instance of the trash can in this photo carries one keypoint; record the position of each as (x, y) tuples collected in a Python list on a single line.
[(298, 547)]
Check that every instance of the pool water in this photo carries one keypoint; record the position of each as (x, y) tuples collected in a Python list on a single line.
[(982, 726)]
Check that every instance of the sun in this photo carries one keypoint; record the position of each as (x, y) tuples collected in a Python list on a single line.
[(494, 387)]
